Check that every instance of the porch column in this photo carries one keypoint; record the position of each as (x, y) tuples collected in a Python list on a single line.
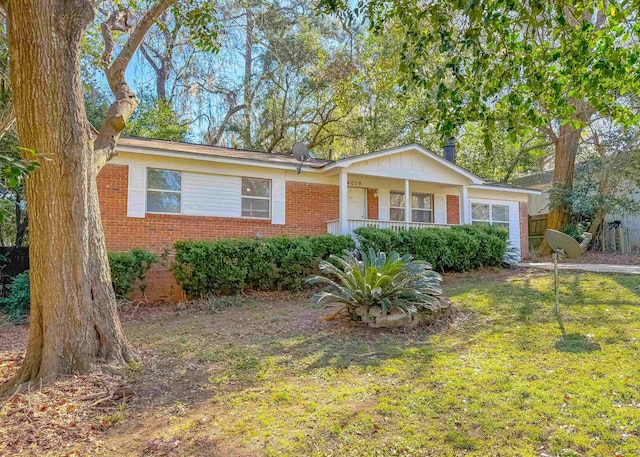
[(407, 202), (344, 203), (464, 204)]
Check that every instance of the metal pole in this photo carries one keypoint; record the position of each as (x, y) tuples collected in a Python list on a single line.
[(556, 309)]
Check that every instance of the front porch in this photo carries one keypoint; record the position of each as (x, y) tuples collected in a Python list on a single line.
[(397, 204), (334, 226)]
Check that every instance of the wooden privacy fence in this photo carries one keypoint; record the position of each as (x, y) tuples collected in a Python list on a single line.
[(13, 261), (537, 226)]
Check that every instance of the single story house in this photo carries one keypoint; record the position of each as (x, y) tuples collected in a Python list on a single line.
[(154, 193)]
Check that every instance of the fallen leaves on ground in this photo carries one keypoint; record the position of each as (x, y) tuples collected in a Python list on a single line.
[(65, 417)]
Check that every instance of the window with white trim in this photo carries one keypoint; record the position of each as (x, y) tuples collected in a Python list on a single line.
[(490, 214), (256, 198), (422, 208), (164, 191), (396, 205)]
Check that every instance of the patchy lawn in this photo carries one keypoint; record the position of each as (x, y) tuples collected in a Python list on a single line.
[(268, 376)]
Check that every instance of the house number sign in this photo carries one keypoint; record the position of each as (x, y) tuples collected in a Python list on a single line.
[(354, 183)]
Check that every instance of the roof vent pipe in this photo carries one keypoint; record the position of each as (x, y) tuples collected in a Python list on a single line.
[(450, 150)]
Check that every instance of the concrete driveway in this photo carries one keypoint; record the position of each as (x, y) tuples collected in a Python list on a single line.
[(592, 267)]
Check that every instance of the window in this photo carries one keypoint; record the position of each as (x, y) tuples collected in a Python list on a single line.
[(163, 191), (490, 214), (256, 198), (396, 205), (500, 215), (422, 208)]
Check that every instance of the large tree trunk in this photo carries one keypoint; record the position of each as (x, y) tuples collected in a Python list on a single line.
[(566, 148), (74, 321)]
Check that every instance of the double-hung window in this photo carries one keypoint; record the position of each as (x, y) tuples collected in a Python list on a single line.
[(490, 214), (396, 205), (422, 208), (164, 191), (256, 198)]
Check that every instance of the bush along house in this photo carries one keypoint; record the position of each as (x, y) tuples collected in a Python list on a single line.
[(154, 193)]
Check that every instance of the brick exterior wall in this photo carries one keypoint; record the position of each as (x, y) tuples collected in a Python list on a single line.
[(453, 209), (372, 204), (524, 230), (308, 208)]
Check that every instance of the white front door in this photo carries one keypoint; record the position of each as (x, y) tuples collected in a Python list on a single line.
[(357, 203)]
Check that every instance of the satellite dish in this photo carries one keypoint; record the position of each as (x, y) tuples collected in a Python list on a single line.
[(563, 244), (301, 152)]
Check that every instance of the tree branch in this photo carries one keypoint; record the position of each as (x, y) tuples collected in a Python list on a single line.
[(126, 102), (230, 112), (6, 122), (549, 132), (145, 53)]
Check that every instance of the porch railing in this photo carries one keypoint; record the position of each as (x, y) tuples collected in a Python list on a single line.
[(333, 226)]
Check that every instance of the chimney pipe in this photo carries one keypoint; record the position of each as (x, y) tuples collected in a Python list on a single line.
[(450, 150)]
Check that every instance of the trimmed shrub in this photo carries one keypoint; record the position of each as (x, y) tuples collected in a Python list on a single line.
[(16, 304), (234, 265), (129, 267), (459, 248)]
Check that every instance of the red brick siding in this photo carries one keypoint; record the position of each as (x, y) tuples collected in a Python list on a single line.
[(308, 208), (524, 230), (453, 209), (372, 204)]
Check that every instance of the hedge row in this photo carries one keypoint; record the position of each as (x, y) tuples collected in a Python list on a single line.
[(459, 248), (127, 269), (234, 265), (130, 267)]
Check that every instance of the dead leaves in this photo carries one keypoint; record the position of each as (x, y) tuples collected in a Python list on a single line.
[(65, 417)]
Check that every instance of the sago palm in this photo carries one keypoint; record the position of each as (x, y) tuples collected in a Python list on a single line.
[(376, 279)]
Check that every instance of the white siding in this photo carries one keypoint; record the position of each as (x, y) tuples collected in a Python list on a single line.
[(137, 191), (384, 213), (514, 224), (278, 204), (539, 204), (409, 165), (211, 195), (440, 213)]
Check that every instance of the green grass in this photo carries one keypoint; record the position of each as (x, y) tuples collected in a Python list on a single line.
[(501, 381)]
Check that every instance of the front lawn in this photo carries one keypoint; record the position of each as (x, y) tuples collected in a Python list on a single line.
[(269, 377)]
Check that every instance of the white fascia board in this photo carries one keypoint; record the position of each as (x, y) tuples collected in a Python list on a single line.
[(212, 158), (517, 190), (344, 163)]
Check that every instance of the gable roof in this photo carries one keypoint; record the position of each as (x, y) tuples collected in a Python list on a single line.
[(534, 179), (135, 144), (348, 161), (267, 159)]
